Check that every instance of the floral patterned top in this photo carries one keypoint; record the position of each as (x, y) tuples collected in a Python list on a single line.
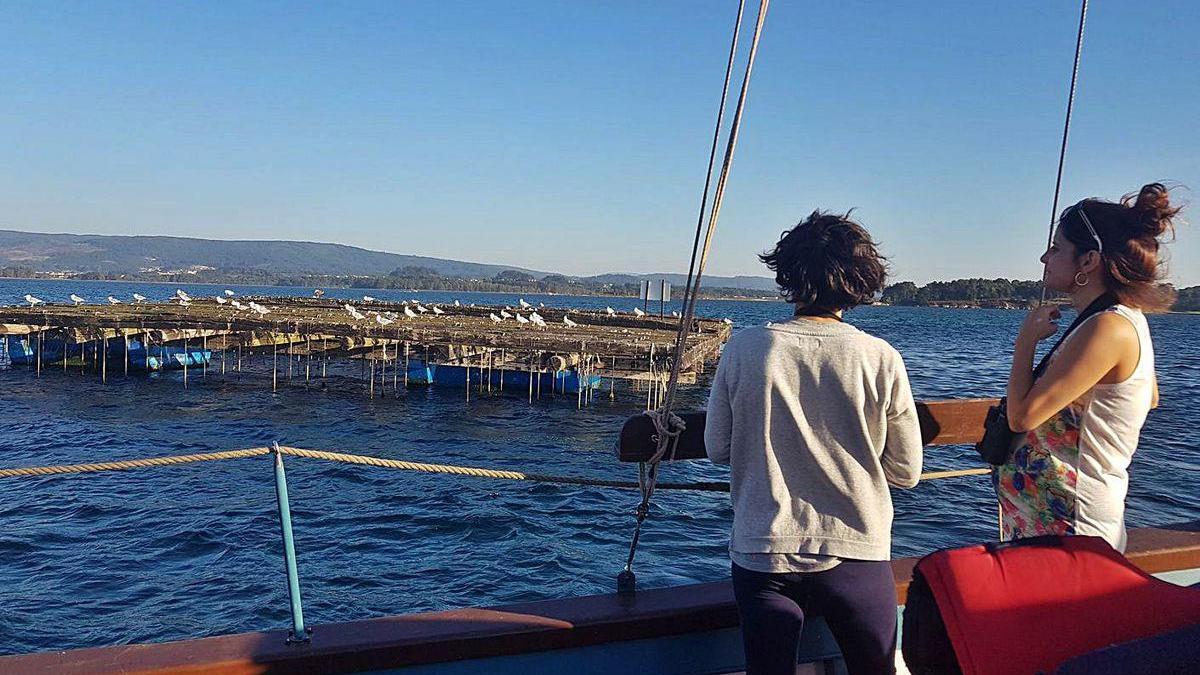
[(1036, 488)]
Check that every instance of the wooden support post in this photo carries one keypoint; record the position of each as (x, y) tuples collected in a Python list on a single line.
[(503, 359), (324, 361), (204, 357), (396, 370), (531, 378), (406, 365), (307, 360), (224, 350), (539, 377), (104, 359), (126, 337), (146, 349), (185, 360), (39, 353), (467, 372), (64, 351), (274, 364), (371, 385)]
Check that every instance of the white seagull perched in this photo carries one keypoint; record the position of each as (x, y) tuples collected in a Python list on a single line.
[(569, 323), (367, 298), (523, 304), (494, 318), (438, 311), (409, 313), (610, 311), (139, 298), (77, 300), (421, 309), (728, 321), (675, 314), (237, 305), (181, 295), (505, 315), (358, 316), (113, 301), (221, 301), (638, 312), (33, 302), (521, 319), (535, 317), (259, 309), (228, 293), (457, 304), (382, 321)]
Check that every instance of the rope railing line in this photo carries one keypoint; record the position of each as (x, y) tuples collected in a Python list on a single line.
[(366, 460)]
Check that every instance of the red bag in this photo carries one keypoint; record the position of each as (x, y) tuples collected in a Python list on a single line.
[(1029, 605)]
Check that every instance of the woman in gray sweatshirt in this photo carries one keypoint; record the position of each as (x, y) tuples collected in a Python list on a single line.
[(816, 420)]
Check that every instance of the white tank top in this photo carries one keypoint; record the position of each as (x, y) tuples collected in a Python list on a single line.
[(1111, 421)]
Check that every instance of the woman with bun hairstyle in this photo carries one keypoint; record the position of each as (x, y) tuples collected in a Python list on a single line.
[(1080, 414)]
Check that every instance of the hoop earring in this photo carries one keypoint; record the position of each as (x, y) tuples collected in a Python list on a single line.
[(1085, 279)]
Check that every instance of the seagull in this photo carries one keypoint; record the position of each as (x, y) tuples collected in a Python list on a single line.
[(542, 305), (184, 303), (358, 316), (237, 304), (367, 298), (675, 314), (521, 319), (569, 323), (505, 314), (181, 295), (457, 304), (728, 321), (221, 301), (259, 309), (77, 300), (139, 298), (33, 301), (382, 321), (228, 293), (610, 311), (421, 309), (409, 313), (638, 312), (524, 305), (494, 318), (438, 311), (113, 301), (317, 293), (535, 317)]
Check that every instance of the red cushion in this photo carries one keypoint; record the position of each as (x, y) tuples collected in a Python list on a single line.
[(1028, 608)]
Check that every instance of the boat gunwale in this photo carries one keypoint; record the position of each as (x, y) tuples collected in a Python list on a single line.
[(478, 633)]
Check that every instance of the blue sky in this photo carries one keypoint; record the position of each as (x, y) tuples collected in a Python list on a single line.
[(572, 136)]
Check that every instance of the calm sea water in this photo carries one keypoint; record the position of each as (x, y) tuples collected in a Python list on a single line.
[(181, 552)]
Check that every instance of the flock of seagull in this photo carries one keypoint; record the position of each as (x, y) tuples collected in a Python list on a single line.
[(381, 318)]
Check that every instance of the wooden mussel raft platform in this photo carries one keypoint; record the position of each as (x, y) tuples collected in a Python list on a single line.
[(457, 345)]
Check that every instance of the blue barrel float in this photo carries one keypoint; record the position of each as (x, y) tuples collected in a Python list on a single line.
[(22, 350)]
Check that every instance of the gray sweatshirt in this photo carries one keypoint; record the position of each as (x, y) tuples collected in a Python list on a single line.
[(816, 419)]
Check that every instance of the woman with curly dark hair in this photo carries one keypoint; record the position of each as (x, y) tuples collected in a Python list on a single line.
[(816, 420), (1079, 415)]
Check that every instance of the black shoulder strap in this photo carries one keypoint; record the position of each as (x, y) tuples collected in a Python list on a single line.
[(1098, 305)]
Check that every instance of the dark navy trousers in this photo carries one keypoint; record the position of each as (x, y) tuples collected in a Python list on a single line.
[(857, 599)]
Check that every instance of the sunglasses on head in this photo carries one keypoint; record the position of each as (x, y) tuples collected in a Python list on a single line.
[(1088, 223)]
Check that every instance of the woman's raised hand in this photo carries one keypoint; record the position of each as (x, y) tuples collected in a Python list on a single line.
[(1040, 323)]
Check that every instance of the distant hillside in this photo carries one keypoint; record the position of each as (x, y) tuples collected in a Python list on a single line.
[(139, 256), (677, 280), (129, 255)]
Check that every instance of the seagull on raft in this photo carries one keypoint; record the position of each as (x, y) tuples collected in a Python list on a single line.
[(409, 313), (438, 311), (535, 317), (675, 314), (259, 309), (184, 303), (504, 314), (457, 304), (421, 309), (382, 321), (139, 298), (318, 293), (77, 300), (494, 318), (33, 302), (358, 316), (728, 321), (367, 298), (521, 319), (569, 323), (237, 305), (221, 301), (523, 304), (181, 295), (113, 301), (228, 293), (610, 311), (638, 312)]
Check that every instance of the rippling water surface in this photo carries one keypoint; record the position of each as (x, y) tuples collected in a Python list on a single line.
[(179, 552)]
